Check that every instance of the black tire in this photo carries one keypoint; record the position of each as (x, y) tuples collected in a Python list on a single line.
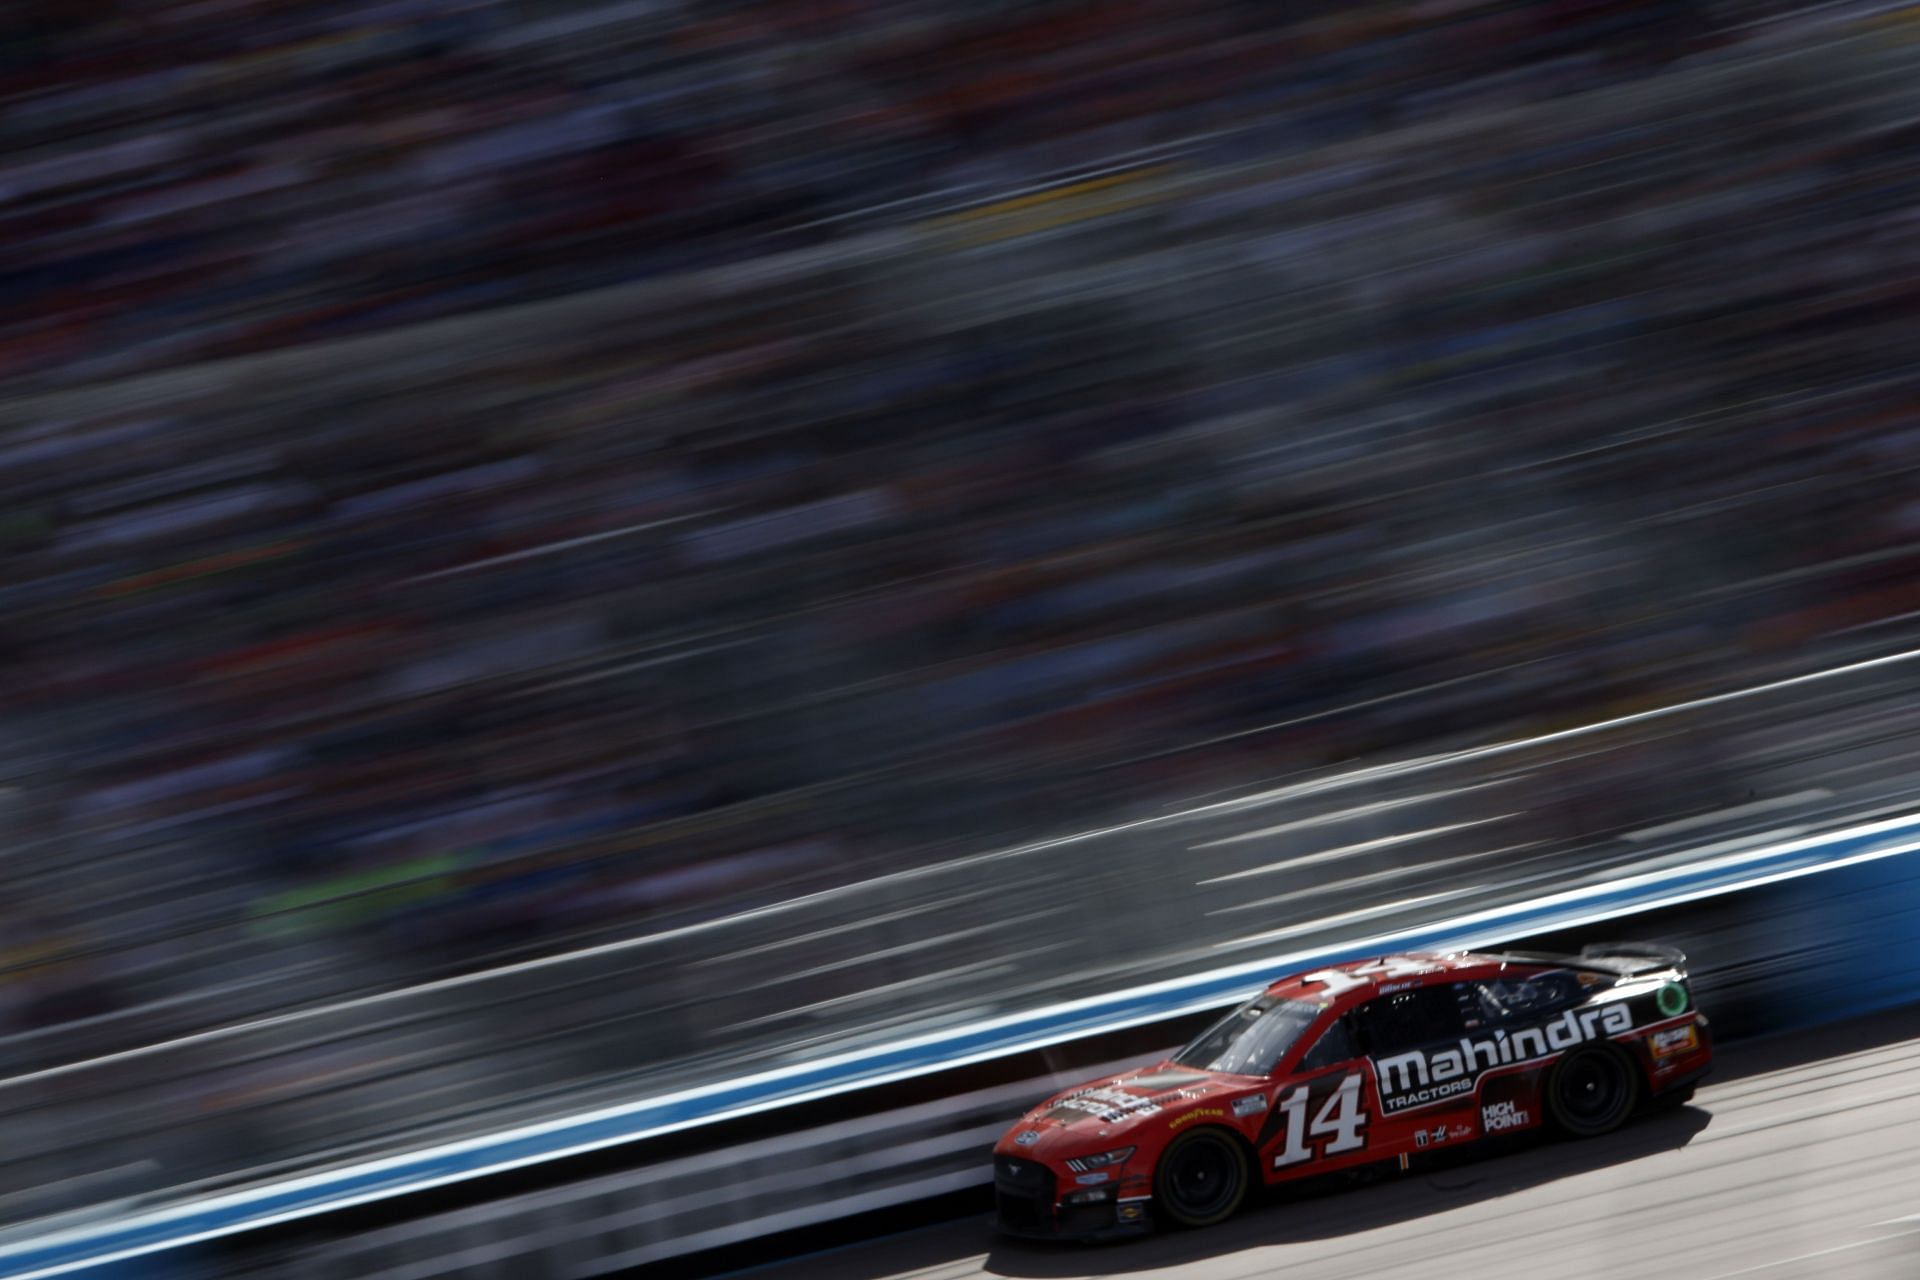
[(1593, 1091), (1202, 1178)]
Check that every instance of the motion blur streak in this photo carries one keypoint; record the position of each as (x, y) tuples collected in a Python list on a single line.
[(1345, 851), (1267, 797)]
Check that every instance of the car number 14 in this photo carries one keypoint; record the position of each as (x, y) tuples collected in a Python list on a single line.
[(1340, 1118)]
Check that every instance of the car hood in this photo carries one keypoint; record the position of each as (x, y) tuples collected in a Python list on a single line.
[(1121, 1101)]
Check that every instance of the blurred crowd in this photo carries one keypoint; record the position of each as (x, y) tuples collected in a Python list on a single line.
[(1452, 370), (197, 178)]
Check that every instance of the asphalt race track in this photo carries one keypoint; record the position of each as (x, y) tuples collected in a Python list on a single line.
[(1798, 1160)]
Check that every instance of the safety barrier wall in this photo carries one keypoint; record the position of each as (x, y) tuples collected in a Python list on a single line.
[(1789, 934), (1791, 953)]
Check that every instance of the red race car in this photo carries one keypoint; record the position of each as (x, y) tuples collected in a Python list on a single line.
[(1352, 1065)]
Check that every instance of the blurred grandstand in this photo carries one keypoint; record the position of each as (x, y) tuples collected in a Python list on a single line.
[(486, 479)]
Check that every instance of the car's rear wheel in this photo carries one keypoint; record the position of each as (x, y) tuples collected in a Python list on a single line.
[(1593, 1091), (1202, 1178)]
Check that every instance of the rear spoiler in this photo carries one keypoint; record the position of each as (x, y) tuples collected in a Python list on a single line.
[(1623, 959)]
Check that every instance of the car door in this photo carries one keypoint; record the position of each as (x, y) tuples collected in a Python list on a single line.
[(1322, 1110), (1423, 1086)]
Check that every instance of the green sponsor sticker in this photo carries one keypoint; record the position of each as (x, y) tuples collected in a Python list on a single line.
[(1672, 999)]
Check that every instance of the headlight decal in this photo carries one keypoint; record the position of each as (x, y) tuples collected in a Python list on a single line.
[(1105, 1159)]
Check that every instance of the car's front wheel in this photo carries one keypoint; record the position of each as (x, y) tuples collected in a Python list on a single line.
[(1593, 1091), (1202, 1178)]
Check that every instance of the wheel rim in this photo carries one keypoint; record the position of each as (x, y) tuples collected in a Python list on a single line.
[(1593, 1090), (1205, 1178)]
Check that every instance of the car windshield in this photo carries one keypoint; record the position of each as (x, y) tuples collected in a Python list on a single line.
[(1251, 1039)]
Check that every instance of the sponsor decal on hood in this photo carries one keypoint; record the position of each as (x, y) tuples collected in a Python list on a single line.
[(1104, 1103), (1128, 1097)]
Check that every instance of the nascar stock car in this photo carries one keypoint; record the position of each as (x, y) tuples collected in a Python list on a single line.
[(1347, 1067)]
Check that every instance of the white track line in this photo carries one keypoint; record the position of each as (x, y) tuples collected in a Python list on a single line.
[(1808, 1257)]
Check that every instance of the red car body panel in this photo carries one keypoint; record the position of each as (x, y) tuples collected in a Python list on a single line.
[(1300, 1122)]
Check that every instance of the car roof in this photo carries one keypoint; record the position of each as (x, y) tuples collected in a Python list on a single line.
[(1364, 979)]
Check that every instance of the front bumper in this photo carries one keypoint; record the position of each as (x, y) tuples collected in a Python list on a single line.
[(1027, 1203)]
